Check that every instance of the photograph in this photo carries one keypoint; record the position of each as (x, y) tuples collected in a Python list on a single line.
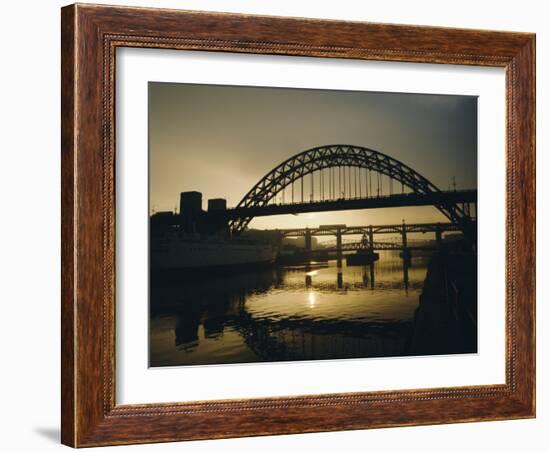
[(275, 226), (292, 224)]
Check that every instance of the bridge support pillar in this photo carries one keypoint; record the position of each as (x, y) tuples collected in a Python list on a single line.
[(371, 239), (406, 272), (339, 247), (406, 251), (371, 246), (404, 234), (339, 280), (307, 240), (406, 255)]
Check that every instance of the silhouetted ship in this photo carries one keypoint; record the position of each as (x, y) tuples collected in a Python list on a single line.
[(188, 251), (193, 239)]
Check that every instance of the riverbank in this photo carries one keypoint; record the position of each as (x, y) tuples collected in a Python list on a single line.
[(446, 317)]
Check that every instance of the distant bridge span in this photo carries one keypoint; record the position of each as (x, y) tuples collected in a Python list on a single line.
[(368, 232), (333, 230), (333, 166), (375, 246)]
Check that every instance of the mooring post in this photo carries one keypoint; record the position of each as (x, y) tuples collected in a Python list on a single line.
[(339, 247)]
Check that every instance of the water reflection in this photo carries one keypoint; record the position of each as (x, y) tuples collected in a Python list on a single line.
[(319, 311)]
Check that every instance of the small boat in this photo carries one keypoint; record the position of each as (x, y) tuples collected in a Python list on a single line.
[(364, 254)]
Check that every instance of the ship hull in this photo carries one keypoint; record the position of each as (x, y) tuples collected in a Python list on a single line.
[(196, 256), (359, 259)]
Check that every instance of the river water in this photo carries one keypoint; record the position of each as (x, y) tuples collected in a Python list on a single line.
[(286, 313)]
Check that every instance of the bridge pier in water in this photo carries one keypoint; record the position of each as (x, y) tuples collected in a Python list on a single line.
[(339, 280), (371, 239), (371, 265), (371, 275), (339, 247), (406, 253), (307, 240)]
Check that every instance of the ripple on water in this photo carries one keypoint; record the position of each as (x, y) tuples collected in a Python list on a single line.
[(321, 312)]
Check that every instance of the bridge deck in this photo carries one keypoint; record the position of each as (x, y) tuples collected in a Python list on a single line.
[(395, 200)]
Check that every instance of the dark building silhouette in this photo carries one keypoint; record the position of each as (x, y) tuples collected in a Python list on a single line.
[(191, 214), (191, 218)]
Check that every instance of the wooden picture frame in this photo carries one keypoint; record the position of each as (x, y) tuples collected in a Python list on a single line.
[(90, 36)]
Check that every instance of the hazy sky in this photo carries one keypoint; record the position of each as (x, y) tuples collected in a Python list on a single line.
[(221, 140)]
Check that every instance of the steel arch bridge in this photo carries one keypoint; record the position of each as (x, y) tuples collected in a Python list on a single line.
[(340, 156)]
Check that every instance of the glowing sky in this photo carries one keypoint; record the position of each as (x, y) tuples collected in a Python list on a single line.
[(221, 140)]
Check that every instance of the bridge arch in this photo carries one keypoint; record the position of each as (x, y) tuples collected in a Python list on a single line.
[(332, 156)]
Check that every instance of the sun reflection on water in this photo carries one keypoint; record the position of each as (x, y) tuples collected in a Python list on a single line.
[(312, 299)]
